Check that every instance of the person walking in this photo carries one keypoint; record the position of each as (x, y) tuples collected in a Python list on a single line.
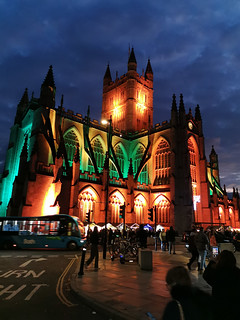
[(94, 239), (188, 302), (171, 234), (193, 249), (163, 239), (202, 244)]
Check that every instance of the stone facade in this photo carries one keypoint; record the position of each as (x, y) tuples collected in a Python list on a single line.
[(61, 162)]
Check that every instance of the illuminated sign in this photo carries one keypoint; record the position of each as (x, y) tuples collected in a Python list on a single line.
[(196, 199)]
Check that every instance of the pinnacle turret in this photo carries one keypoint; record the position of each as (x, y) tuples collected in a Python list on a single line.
[(174, 103), (107, 77), (149, 72), (182, 114), (22, 106), (197, 113), (181, 104), (213, 159), (48, 90), (132, 62), (49, 79), (174, 111)]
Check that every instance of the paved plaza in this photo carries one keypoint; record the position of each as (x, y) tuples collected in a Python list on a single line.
[(125, 291)]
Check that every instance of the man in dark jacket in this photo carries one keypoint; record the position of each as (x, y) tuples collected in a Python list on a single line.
[(171, 234), (202, 244), (94, 239), (192, 248)]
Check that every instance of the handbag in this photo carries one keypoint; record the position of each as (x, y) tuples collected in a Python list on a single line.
[(180, 310)]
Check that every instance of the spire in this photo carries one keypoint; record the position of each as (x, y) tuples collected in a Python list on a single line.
[(48, 90), (107, 77), (181, 104), (149, 72), (213, 152), (132, 62), (22, 106), (174, 104), (213, 159), (182, 115), (49, 80), (174, 111), (197, 113)]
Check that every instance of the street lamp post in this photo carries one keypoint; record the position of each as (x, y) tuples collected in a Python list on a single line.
[(109, 122)]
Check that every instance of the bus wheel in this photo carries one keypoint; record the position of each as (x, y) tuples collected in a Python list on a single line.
[(72, 245)]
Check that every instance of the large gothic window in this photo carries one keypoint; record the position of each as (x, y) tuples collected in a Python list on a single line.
[(143, 177), (139, 204), (162, 163), (163, 210), (120, 157), (71, 142), (115, 202), (87, 201), (98, 155)]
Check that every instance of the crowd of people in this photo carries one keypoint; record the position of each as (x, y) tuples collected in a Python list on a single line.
[(188, 302), (191, 303)]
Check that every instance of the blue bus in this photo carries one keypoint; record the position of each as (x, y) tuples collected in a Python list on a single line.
[(46, 232)]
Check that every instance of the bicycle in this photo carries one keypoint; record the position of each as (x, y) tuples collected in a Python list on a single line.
[(128, 250), (114, 249)]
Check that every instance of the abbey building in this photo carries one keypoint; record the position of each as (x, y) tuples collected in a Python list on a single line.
[(66, 163)]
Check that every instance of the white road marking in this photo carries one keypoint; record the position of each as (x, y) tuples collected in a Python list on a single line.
[(29, 261)]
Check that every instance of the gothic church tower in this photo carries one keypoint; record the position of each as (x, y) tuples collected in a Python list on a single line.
[(129, 99)]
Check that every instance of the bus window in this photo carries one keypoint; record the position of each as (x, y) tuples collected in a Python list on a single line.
[(10, 226), (54, 226)]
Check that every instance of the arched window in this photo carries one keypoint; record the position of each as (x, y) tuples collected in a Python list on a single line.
[(115, 203), (87, 201), (98, 155), (163, 210), (120, 157), (143, 177), (162, 163), (139, 203), (71, 142)]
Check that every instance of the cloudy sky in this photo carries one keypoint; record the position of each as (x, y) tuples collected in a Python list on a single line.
[(193, 46)]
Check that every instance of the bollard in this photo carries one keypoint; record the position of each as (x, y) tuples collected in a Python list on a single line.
[(80, 273)]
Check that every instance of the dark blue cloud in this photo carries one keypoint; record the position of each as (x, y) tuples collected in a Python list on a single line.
[(193, 47)]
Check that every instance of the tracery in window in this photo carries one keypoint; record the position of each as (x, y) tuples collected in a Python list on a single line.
[(98, 155), (162, 163), (71, 142)]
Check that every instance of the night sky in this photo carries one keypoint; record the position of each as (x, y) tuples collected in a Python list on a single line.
[(193, 46)]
